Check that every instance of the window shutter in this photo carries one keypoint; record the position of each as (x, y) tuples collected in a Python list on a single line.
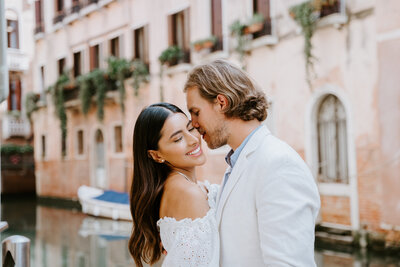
[(91, 58), (121, 46), (216, 18), (38, 18), (264, 8), (18, 93), (146, 44), (216, 22), (170, 30), (186, 29), (10, 94)]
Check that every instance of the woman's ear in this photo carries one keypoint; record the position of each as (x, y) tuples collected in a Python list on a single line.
[(155, 155)]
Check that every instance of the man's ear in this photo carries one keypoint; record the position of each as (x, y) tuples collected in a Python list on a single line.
[(155, 155), (222, 102)]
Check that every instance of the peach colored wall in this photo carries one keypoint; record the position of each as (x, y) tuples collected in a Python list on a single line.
[(388, 102), (335, 210)]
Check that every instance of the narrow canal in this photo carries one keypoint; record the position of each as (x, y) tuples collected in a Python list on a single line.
[(62, 236)]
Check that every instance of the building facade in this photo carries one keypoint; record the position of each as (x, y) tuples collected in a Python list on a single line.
[(342, 115), (20, 45), (16, 134)]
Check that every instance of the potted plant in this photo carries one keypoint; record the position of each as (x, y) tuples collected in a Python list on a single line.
[(237, 28), (255, 24), (171, 56), (205, 43), (328, 7)]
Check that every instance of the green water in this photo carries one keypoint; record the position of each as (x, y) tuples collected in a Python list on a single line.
[(63, 236)]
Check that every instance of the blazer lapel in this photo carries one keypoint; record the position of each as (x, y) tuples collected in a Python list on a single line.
[(238, 169)]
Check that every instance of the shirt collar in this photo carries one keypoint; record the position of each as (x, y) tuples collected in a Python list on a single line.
[(232, 157)]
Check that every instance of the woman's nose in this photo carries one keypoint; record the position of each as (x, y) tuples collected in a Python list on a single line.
[(193, 139)]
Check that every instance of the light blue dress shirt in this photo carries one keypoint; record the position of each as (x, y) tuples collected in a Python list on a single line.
[(232, 157)]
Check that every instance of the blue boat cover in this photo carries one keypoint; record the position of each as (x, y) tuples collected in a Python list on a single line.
[(114, 197), (114, 237)]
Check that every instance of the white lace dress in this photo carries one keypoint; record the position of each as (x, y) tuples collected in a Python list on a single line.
[(192, 242)]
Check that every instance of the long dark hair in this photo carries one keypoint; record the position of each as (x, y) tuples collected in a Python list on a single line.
[(148, 183)]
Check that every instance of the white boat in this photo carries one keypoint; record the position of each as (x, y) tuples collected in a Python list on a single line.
[(104, 203)]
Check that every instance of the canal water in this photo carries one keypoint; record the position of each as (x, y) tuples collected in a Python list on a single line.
[(62, 236)]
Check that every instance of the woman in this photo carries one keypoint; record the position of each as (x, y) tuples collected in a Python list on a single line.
[(169, 207)]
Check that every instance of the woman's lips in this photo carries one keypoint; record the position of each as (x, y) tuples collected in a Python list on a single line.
[(195, 152)]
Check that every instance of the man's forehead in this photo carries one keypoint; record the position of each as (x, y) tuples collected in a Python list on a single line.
[(191, 98)]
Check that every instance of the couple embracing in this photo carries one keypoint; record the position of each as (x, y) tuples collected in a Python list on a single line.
[(264, 211)]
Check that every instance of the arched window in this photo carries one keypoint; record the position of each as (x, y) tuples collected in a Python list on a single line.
[(332, 141)]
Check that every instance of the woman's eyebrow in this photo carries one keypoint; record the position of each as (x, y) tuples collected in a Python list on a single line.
[(179, 131), (175, 133)]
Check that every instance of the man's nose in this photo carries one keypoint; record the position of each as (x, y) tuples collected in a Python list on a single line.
[(195, 123)]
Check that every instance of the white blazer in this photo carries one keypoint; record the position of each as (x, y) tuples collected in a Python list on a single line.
[(267, 210)]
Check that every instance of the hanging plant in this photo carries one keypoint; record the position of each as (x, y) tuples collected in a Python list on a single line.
[(31, 100), (242, 40), (119, 69), (304, 14), (86, 91), (140, 74), (57, 91)]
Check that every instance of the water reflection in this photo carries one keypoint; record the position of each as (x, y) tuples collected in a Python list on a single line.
[(66, 237)]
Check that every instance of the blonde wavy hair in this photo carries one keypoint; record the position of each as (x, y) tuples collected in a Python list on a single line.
[(246, 100)]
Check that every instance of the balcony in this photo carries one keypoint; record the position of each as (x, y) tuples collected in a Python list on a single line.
[(16, 60), (59, 16), (39, 28), (76, 7), (14, 126)]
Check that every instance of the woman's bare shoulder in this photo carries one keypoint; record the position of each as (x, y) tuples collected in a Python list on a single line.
[(183, 199)]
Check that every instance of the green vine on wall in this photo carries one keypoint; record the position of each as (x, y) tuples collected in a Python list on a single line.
[(31, 100), (119, 69), (242, 40), (57, 92), (140, 74), (304, 14), (96, 84)]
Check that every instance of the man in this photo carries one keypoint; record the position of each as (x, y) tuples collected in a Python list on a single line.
[(268, 202)]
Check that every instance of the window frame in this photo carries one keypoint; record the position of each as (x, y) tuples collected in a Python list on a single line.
[(143, 42), (14, 33), (84, 142), (114, 140), (180, 19)]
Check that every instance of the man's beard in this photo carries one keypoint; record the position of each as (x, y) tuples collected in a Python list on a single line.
[(218, 137)]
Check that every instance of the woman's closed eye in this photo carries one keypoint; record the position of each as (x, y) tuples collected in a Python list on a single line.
[(178, 139)]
